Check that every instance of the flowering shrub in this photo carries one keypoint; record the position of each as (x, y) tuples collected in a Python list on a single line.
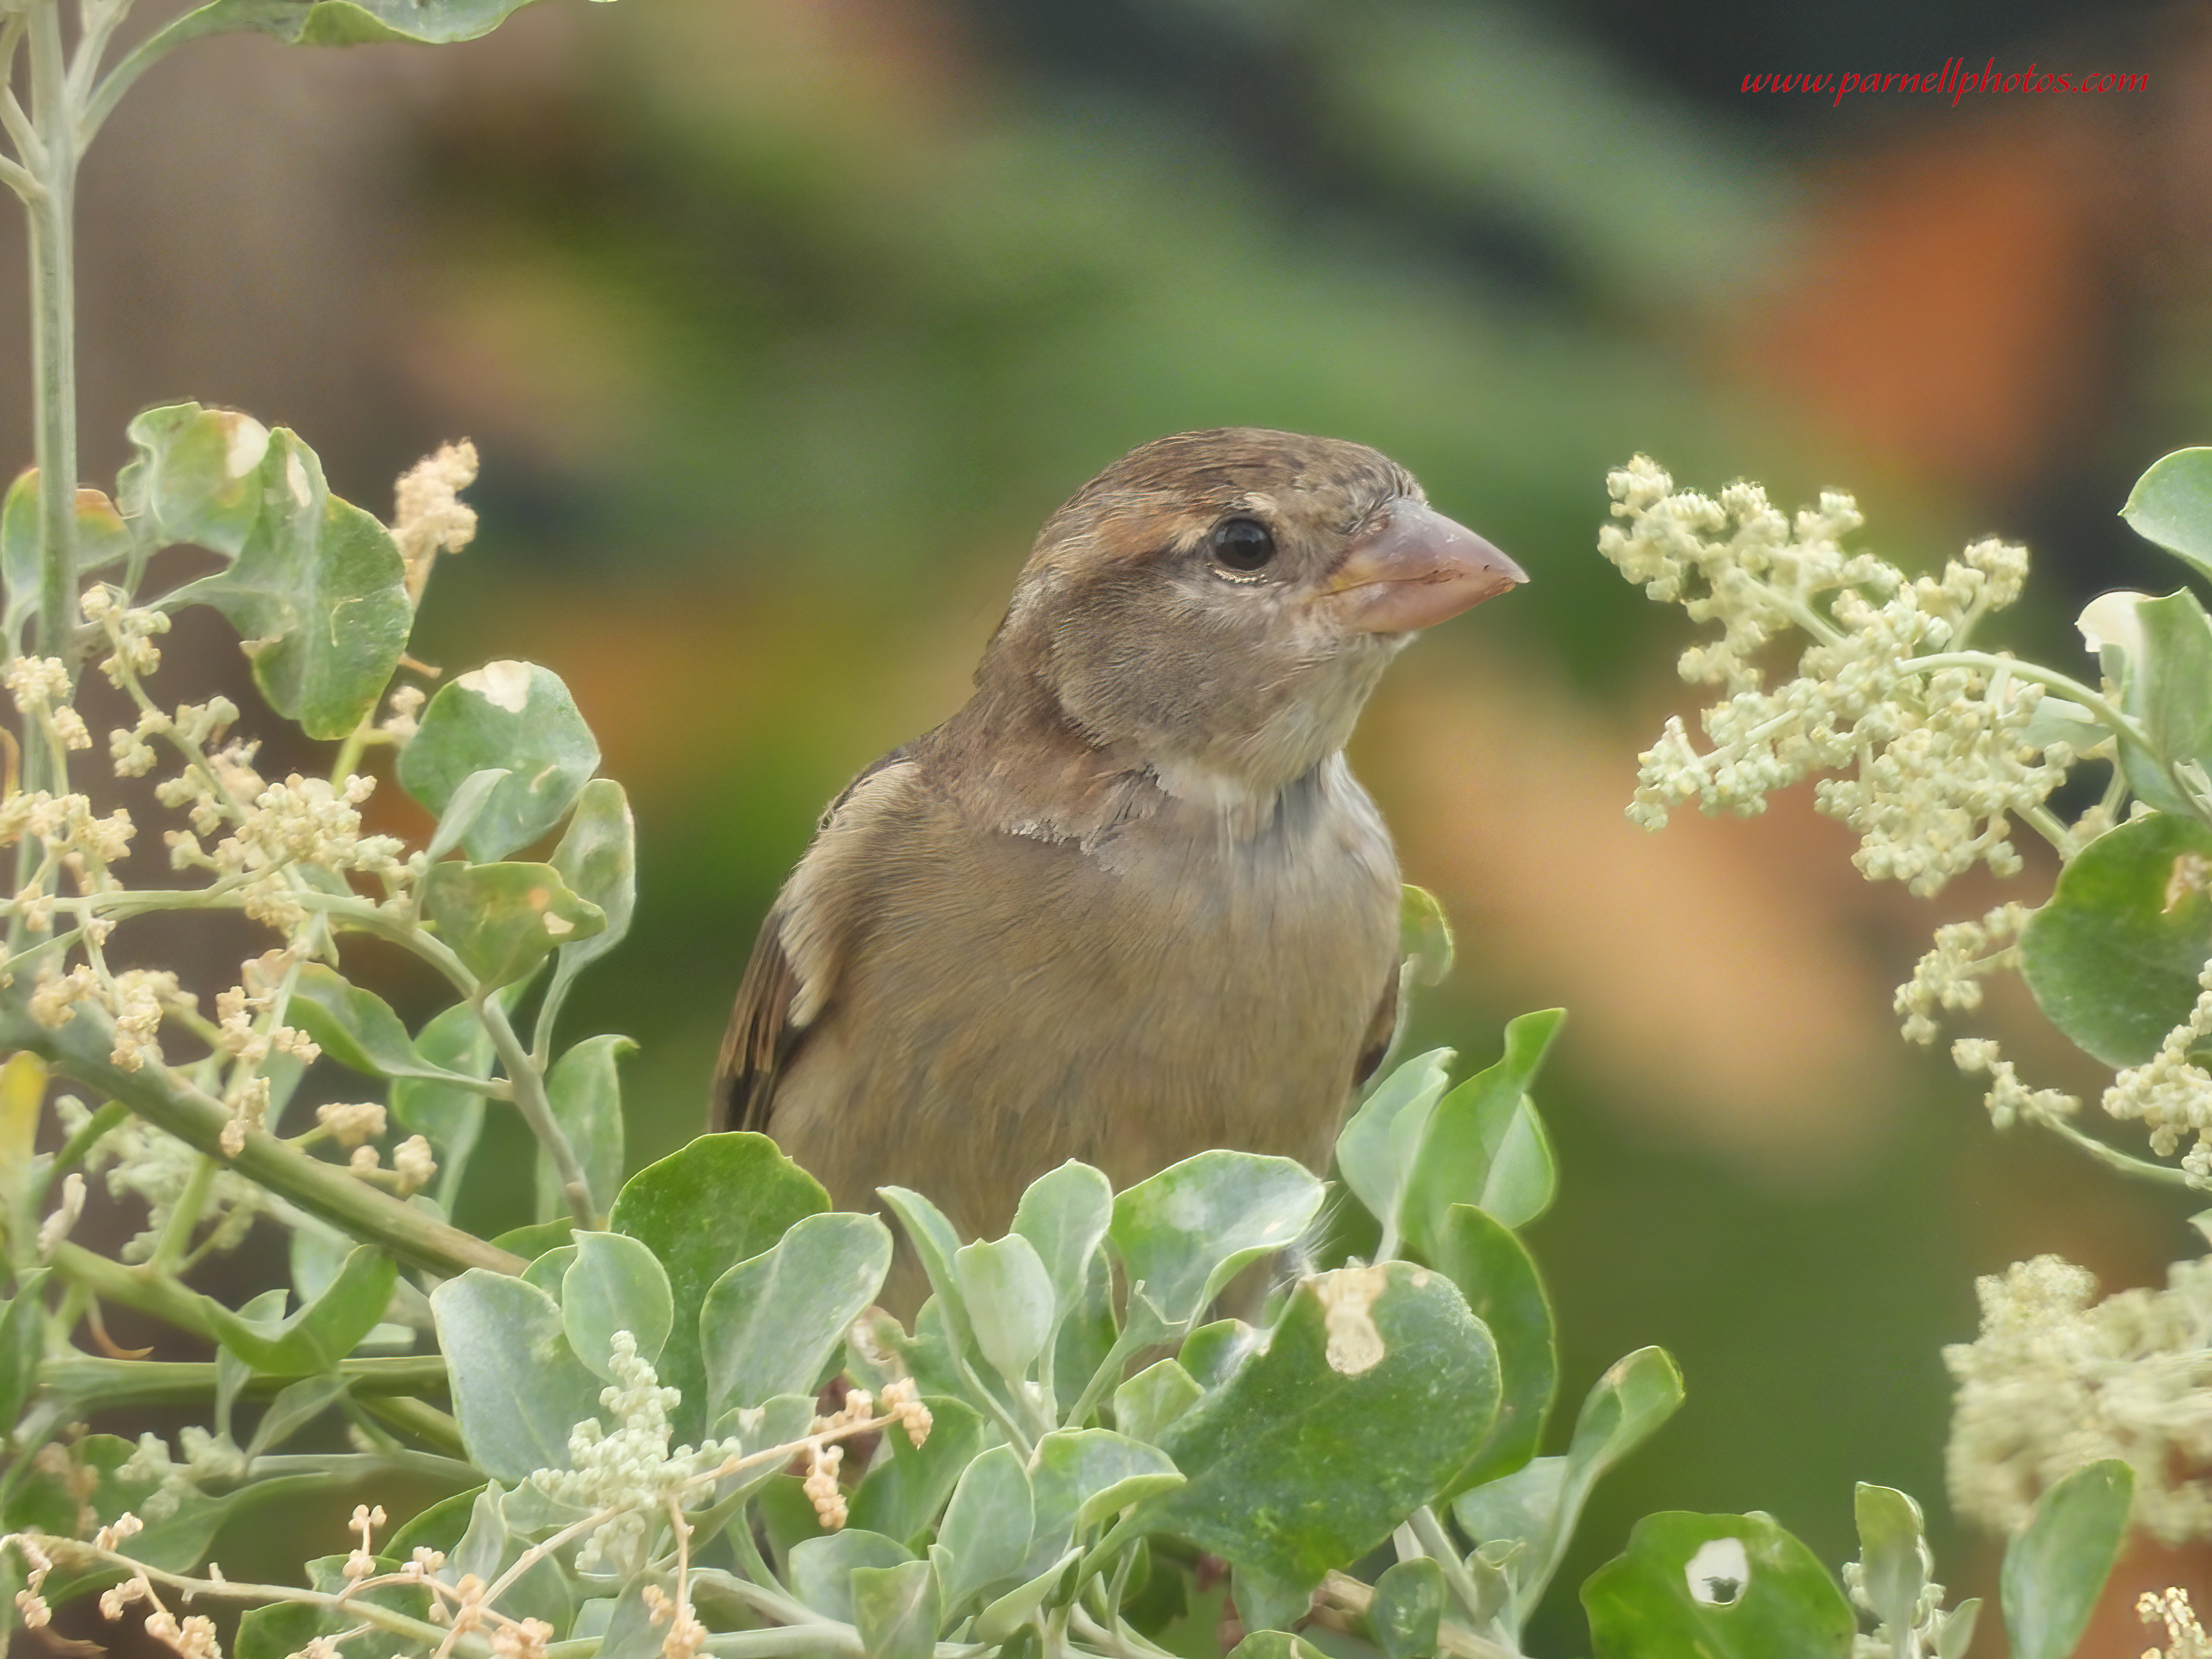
[(1944, 749)]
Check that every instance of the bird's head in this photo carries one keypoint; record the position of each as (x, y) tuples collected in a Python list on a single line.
[(1221, 603)]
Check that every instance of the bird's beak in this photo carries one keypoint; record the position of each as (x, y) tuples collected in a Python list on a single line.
[(1414, 569)]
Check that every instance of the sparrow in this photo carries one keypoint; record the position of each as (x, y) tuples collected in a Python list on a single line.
[(1128, 903)]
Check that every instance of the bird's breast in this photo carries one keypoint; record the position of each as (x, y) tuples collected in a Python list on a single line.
[(1171, 989)]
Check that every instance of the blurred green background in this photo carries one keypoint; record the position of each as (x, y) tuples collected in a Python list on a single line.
[(782, 324)]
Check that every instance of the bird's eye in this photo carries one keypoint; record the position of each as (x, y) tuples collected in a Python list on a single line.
[(1242, 544)]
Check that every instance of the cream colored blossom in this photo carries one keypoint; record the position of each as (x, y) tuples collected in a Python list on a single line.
[(429, 517), (1935, 758), (404, 707), (413, 1162), (2186, 1638), (137, 1001), (2170, 1093), (352, 1125), (55, 997), (2057, 1379)]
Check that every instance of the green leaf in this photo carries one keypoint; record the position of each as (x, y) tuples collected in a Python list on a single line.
[(324, 1332), (597, 858), (317, 593), (1010, 1299), (511, 714), (1521, 1508), (2056, 1566), (293, 1409), (769, 1324), (1485, 1145), (2172, 677), (1425, 935), (1212, 1352), (355, 1028), (1539, 1504), (180, 1542), (2171, 505), (1715, 1587), (615, 1284), (449, 1117), (1497, 1275), (586, 1094), (1275, 1644), (1407, 1609), (197, 477), (1152, 1398), (722, 1199), (935, 1244), (1624, 1408), (1189, 1230), (518, 1388), (1893, 1559), (357, 22), (538, 1240), (820, 1570), (897, 1609), (501, 919), (22, 1345), (102, 539), (1078, 1476), (1018, 1606), (2113, 958), (463, 809), (1064, 1214), (1375, 1150), (630, 1631), (902, 1494), (782, 1421), (984, 1537), (1300, 1462), (1269, 1606)]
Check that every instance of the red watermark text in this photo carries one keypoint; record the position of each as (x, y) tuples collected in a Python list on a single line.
[(1954, 80)]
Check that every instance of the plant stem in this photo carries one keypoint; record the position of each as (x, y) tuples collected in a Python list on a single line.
[(426, 1423), (1437, 1543), (80, 1050), (53, 335), (530, 1099), (94, 1383), (135, 1287), (75, 1148)]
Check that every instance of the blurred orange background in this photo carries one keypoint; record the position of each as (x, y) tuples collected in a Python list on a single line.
[(780, 324)]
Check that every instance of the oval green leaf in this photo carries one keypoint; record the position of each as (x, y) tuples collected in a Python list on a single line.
[(2113, 958)]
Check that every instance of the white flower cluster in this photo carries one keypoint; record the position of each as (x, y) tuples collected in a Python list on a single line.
[(630, 1475), (2009, 1100), (428, 516), (631, 1469), (207, 1457), (2170, 1094), (2186, 1638), (2057, 1379), (277, 827), (156, 1168), (1938, 750), (1950, 976)]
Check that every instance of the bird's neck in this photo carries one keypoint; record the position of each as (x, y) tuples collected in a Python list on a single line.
[(1024, 765)]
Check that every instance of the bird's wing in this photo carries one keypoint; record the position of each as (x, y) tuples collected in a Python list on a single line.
[(760, 1037), (796, 956), (1381, 1031)]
